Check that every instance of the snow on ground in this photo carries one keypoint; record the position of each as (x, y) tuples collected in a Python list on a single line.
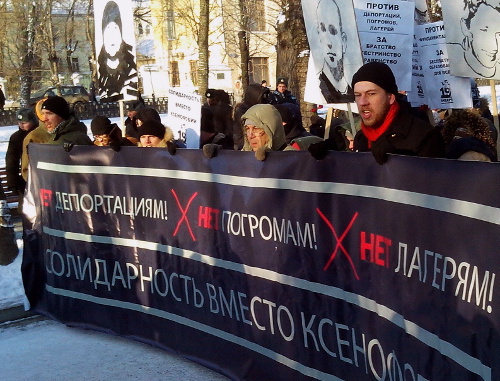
[(47, 350), (11, 285)]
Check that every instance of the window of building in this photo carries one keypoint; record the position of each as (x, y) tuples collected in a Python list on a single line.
[(140, 31), (175, 78), (75, 65), (259, 69), (193, 66), (257, 16)]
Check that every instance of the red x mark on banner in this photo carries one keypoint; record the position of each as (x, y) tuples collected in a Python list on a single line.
[(339, 242), (184, 214)]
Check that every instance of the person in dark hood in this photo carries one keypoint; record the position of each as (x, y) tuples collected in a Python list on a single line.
[(254, 94), (108, 134), (117, 67), (292, 123)]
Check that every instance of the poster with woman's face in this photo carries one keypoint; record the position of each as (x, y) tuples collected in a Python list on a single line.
[(115, 47), (473, 37)]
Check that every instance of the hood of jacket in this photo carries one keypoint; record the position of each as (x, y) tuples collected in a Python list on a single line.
[(268, 118), (254, 94)]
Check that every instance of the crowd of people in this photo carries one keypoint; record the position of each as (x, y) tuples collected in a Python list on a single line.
[(266, 121)]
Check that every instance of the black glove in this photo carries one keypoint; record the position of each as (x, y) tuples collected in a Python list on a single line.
[(172, 149), (115, 146), (380, 148), (211, 150), (319, 150), (68, 146)]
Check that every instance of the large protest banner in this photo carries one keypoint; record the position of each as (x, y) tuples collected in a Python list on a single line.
[(287, 269)]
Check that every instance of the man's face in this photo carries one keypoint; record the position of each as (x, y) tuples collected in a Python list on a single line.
[(51, 120), (131, 113), (112, 37), (484, 36), (256, 136), (25, 126), (150, 140), (373, 103), (331, 37), (101, 140), (281, 88)]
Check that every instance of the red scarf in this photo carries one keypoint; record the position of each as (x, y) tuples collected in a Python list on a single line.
[(373, 134)]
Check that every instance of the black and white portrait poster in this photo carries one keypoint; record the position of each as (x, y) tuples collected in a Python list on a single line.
[(115, 47), (386, 34), (443, 89), (473, 37), (335, 49)]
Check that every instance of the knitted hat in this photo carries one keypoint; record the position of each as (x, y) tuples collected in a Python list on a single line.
[(210, 93), (152, 127), (111, 14), (57, 105), (27, 115), (378, 73), (101, 125), (147, 113)]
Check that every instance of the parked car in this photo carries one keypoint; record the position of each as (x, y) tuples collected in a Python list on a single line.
[(75, 95)]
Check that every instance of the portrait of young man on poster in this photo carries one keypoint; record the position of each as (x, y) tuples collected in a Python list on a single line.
[(117, 70), (473, 37), (334, 47)]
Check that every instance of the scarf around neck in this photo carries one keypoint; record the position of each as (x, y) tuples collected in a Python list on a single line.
[(372, 134)]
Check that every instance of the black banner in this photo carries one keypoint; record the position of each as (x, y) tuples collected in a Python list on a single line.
[(287, 269)]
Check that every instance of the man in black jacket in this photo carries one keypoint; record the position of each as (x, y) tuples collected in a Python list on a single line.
[(387, 124), (27, 121)]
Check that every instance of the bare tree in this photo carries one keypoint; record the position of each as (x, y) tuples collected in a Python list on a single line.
[(203, 57), (28, 58), (293, 51)]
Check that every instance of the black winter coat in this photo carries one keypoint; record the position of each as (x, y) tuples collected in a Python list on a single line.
[(13, 160), (407, 135)]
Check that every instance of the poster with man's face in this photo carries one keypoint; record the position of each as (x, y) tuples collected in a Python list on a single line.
[(473, 37), (334, 44), (115, 48)]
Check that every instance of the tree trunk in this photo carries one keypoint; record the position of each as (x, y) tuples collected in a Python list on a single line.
[(293, 54), (27, 62), (203, 61), (245, 58)]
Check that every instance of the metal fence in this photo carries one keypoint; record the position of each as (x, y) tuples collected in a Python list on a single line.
[(92, 109)]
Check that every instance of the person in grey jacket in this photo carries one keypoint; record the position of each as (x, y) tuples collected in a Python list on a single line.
[(263, 130)]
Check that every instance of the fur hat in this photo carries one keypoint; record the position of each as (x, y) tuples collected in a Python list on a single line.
[(57, 105), (101, 125), (152, 127), (27, 115), (378, 73), (282, 80)]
